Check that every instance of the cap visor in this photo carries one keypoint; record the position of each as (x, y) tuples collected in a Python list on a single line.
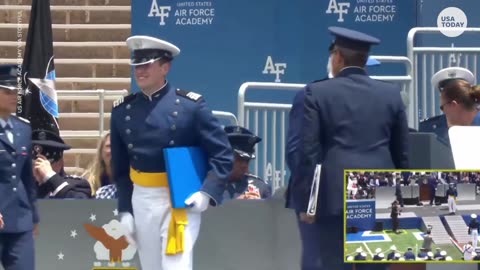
[(53, 144)]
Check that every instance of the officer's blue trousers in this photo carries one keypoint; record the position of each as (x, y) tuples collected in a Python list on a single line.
[(323, 245), (17, 251)]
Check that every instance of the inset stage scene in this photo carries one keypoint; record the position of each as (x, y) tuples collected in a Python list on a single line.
[(412, 216)]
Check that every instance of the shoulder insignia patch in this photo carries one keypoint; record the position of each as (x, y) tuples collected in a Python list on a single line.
[(190, 95), (26, 121), (122, 100)]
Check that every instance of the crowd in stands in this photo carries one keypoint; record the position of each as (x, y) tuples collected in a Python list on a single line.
[(361, 185)]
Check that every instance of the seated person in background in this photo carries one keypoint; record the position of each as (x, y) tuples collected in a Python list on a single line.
[(422, 254), (99, 172), (241, 184), (443, 255), (409, 255), (361, 256), (48, 169)]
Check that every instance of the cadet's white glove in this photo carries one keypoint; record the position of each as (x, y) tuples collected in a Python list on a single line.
[(126, 219), (198, 202)]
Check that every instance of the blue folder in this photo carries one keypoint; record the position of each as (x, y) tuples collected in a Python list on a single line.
[(186, 167)]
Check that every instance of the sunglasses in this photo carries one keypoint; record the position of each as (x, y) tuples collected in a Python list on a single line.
[(444, 104)]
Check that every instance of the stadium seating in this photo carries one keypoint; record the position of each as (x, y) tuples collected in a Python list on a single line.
[(90, 54)]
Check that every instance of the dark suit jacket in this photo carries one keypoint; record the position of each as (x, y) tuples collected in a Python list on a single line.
[(350, 122)]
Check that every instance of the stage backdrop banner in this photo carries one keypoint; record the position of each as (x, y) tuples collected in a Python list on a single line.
[(226, 43), (361, 214)]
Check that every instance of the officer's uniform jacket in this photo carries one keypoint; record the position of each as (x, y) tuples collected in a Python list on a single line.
[(62, 186), (248, 184), (293, 151), (17, 186), (350, 122), (142, 126)]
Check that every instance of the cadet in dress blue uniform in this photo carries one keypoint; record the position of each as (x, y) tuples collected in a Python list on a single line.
[(350, 122), (17, 188), (142, 125), (243, 185), (49, 171), (438, 124), (473, 228)]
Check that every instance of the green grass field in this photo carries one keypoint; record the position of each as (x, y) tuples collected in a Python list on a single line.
[(402, 242)]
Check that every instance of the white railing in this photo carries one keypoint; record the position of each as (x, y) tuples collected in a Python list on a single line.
[(269, 135), (426, 61), (101, 95)]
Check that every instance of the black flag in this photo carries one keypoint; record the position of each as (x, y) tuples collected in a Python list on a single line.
[(37, 101)]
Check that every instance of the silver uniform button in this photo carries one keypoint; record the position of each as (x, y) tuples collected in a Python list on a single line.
[(14, 177), (128, 131), (14, 153), (171, 142), (127, 118), (14, 165), (130, 146), (128, 106), (177, 101), (173, 127), (14, 189), (175, 113)]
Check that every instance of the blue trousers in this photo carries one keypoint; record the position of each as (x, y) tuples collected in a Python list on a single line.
[(323, 246), (17, 251)]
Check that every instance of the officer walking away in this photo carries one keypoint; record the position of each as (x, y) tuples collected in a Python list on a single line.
[(144, 124), (394, 215), (243, 185), (342, 130), (18, 211), (452, 198), (473, 228), (49, 171)]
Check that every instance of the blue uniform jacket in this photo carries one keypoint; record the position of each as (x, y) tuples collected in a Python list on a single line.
[(141, 128), (350, 122), (17, 186), (293, 138)]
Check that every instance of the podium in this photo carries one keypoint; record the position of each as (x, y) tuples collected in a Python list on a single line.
[(428, 151)]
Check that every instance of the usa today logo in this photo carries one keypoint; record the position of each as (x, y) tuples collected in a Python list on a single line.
[(454, 19)]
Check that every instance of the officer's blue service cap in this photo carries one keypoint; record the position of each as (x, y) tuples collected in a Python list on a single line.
[(146, 50), (49, 144), (8, 77), (242, 140), (49, 139), (445, 75), (351, 39)]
